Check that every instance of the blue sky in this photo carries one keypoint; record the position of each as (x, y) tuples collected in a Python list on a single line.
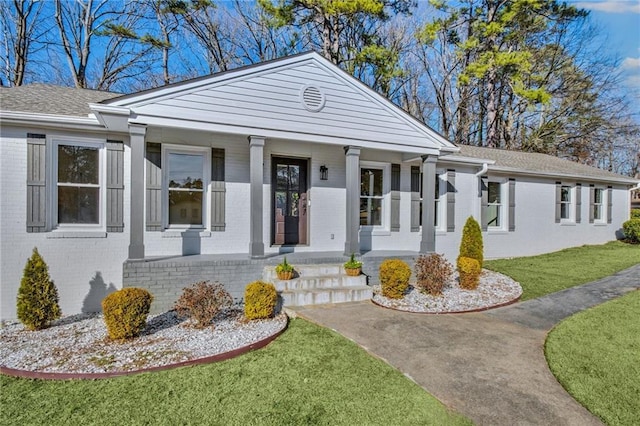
[(620, 20)]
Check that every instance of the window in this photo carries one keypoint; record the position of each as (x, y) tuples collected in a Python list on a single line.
[(598, 204), (494, 205), (186, 180), (565, 202), (371, 196), (78, 189), (440, 204)]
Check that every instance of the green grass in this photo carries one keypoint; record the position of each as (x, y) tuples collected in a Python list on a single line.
[(309, 375), (551, 272), (595, 355)]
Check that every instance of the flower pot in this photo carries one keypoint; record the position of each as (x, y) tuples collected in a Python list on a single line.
[(285, 275), (353, 272)]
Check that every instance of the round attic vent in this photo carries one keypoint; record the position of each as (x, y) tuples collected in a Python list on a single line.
[(312, 98)]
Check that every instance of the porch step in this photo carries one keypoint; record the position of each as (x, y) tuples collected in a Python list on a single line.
[(318, 284)]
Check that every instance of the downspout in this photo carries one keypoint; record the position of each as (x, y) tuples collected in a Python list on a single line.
[(478, 203)]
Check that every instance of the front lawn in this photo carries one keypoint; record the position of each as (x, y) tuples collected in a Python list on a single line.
[(551, 272), (309, 375), (595, 355)]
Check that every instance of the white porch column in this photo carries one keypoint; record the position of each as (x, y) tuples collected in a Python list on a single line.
[(352, 158), (428, 242), (256, 208), (136, 219)]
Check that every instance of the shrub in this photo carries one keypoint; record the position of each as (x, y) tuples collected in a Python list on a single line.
[(432, 273), (469, 270), (394, 278), (471, 244), (37, 302), (631, 229), (635, 214), (125, 312), (260, 300), (202, 301)]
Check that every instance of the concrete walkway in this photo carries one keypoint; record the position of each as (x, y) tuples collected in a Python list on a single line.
[(488, 366)]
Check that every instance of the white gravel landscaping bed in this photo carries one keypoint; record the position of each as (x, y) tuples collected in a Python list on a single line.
[(494, 289), (79, 343)]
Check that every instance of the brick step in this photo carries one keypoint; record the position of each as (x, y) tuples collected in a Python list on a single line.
[(327, 295), (269, 272), (320, 282)]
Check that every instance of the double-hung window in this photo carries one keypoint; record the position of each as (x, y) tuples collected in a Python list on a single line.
[(440, 203), (186, 182), (79, 183), (565, 203), (375, 181), (495, 205), (598, 204)]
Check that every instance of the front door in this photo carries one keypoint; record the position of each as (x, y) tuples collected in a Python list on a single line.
[(289, 195)]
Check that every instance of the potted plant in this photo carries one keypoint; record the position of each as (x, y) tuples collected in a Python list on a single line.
[(353, 267), (284, 270)]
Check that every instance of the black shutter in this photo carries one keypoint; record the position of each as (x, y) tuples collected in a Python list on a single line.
[(115, 186), (153, 161), (218, 190), (36, 183), (451, 200), (415, 199)]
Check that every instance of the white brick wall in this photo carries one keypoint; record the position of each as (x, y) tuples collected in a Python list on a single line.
[(77, 265)]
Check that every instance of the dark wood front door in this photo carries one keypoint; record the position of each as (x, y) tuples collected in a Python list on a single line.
[(289, 195)]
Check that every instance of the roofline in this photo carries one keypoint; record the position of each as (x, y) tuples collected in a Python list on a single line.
[(196, 80), (146, 95), (573, 176), (55, 120)]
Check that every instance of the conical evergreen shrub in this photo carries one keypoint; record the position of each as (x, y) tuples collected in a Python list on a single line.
[(471, 245), (37, 295)]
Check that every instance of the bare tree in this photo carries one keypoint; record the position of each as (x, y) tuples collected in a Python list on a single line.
[(21, 27)]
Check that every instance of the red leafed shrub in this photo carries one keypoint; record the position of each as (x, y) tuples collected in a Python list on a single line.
[(432, 273), (202, 301)]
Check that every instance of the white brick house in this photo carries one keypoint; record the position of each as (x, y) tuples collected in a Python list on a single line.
[(288, 155)]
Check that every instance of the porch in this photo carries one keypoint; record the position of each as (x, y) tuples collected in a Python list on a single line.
[(165, 277)]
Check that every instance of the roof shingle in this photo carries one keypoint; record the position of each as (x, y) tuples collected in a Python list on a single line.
[(50, 99), (536, 163)]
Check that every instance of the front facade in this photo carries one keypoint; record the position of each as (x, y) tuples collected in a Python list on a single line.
[(287, 156)]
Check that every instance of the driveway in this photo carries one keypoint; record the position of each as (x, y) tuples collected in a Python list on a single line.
[(488, 366)]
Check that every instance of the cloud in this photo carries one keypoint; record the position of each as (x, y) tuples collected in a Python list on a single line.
[(631, 69), (631, 64), (610, 6)]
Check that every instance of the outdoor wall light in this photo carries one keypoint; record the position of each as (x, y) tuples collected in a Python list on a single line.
[(324, 172)]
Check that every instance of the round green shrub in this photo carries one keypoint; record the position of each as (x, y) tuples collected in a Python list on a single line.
[(635, 214), (631, 229), (469, 270), (394, 278), (37, 303), (260, 300), (471, 244), (125, 312)]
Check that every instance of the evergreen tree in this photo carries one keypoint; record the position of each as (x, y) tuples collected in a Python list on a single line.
[(471, 244), (37, 295)]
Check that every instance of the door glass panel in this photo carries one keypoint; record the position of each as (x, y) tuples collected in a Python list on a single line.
[(282, 176), (294, 198), (281, 202), (77, 164), (185, 170), (294, 177), (185, 208)]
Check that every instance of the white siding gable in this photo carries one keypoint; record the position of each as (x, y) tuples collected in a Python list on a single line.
[(256, 100)]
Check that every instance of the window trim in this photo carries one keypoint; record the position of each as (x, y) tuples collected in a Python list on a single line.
[(205, 151), (385, 217), (503, 212), (603, 205), (571, 203), (54, 140)]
